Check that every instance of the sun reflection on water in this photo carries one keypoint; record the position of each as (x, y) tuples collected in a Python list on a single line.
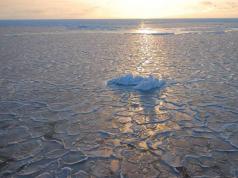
[(145, 52), (146, 31), (147, 64), (142, 118)]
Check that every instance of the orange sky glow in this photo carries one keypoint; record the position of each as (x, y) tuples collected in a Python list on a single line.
[(98, 9)]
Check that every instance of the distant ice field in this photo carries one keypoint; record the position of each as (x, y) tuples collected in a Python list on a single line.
[(119, 98), (149, 27)]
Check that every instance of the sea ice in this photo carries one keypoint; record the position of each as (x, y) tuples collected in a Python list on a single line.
[(138, 82)]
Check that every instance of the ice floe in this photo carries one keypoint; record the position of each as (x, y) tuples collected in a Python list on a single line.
[(139, 83)]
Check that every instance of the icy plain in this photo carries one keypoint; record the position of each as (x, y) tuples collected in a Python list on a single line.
[(59, 118)]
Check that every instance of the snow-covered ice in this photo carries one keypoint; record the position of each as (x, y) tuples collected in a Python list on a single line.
[(138, 82)]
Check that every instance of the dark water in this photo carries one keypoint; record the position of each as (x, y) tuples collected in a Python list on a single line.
[(58, 117)]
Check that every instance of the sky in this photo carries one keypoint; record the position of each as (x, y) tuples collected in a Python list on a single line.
[(113, 9)]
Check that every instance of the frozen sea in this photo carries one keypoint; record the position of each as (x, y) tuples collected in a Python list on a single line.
[(60, 118)]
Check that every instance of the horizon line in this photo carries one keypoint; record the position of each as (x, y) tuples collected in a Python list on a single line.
[(176, 18)]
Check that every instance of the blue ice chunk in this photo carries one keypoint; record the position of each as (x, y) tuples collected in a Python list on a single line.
[(139, 83)]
